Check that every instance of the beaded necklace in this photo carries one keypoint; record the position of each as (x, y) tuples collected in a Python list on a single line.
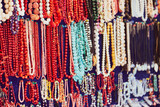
[(99, 99), (10, 50), (14, 20), (44, 88), (75, 95), (61, 91), (94, 9), (26, 61), (155, 83), (56, 91), (144, 5), (48, 53), (31, 92), (48, 11), (21, 84), (127, 9), (43, 38), (79, 40), (11, 99), (56, 14), (121, 54), (121, 101), (37, 52), (88, 32), (66, 95), (128, 47), (79, 102), (31, 53), (36, 93), (49, 93), (20, 7), (97, 49), (110, 33), (64, 56), (159, 86), (8, 10)]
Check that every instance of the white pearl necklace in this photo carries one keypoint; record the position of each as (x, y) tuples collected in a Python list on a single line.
[(8, 10), (21, 11), (138, 8), (121, 54), (109, 10), (128, 48), (103, 50), (46, 22), (43, 88), (144, 7), (96, 41)]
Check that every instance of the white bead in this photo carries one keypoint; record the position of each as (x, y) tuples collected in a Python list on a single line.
[(6, 11), (47, 4), (41, 16), (48, 8), (40, 7), (11, 3), (6, 6), (11, 8), (6, 1), (0, 5)]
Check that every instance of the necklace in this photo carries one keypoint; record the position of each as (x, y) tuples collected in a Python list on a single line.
[(155, 83), (31, 53), (61, 91), (49, 96), (66, 95), (159, 85), (44, 88), (11, 93), (31, 92), (121, 54), (67, 42), (109, 12), (36, 93), (128, 47), (8, 11), (110, 33), (97, 53), (14, 20), (20, 7), (56, 92), (46, 22), (19, 91), (99, 99), (43, 38), (144, 5), (37, 52)]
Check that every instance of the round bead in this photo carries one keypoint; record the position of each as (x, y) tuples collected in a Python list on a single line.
[(6, 1), (35, 5), (6, 6)]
